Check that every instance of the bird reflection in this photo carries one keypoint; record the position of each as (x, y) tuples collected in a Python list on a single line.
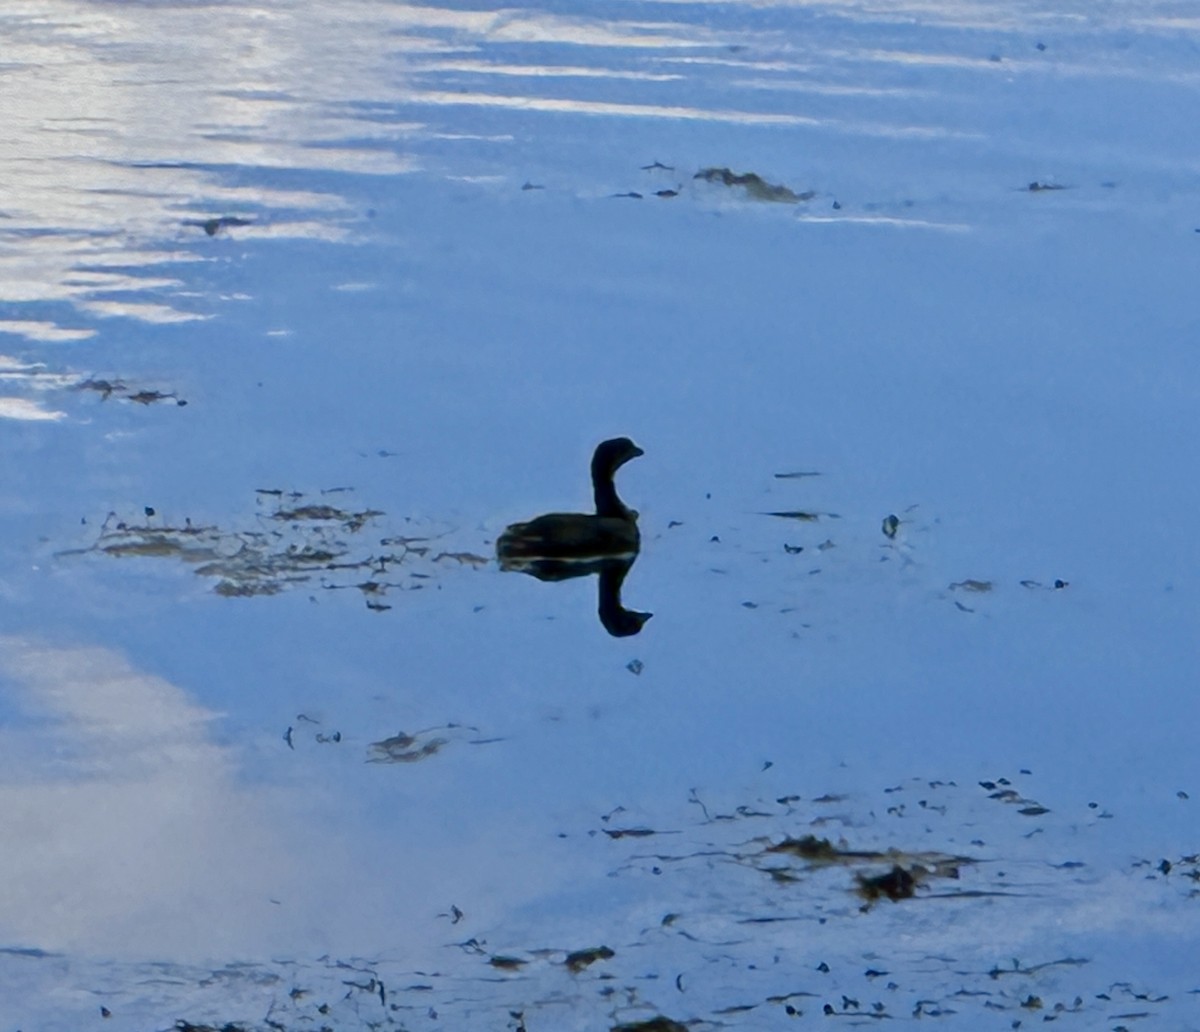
[(563, 545), (617, 620)]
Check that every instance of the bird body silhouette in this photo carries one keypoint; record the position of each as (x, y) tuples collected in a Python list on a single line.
[(611, 533)]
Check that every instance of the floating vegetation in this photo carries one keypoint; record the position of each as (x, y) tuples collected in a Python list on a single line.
[(897, 884), (121, 390), (979, 587), (1002, 791), (1017, 968), (818, 936), (187, 1026), (292, 542), (803, 516), (757, 188), (620, 833), (405, 748), (580, 959), (904, 870), (214, 225), (808, 848), (463, 558), (320, 737), (754, 187), (656, 1024), (1034, 585)]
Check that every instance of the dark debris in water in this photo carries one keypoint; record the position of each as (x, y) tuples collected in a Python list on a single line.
[(978, 587), (291, 542), (752, 186), (757, 188), (802, 515), (187, 1026), (405, 748), (730, 949), (655, 1024), (121, 390), (1056, 585), (579, 959), (904, 870), (619, 833), (215, 225), (897, 884), (1002, 791)]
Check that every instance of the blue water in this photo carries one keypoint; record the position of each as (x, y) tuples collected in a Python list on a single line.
[(302, 304)]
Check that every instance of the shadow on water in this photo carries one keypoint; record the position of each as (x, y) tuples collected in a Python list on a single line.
[(563, 545)]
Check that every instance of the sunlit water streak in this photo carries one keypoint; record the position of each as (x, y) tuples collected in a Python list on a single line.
[(95, 171)]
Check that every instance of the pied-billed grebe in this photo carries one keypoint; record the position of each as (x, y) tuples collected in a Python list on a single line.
[(611, 532)]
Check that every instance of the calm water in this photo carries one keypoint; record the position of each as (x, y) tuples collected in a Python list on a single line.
[(301, 304)]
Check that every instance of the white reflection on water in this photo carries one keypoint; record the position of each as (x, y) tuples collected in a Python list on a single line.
[(31, 377), (123, 817), (126, 124), (45, 331), (120, 120), (766, 118), (23, 408), (132, 830)]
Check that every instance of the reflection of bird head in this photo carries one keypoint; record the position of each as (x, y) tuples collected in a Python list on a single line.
[(622, 623), (617, 620)]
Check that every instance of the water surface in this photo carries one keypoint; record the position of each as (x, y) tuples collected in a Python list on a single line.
[(302, 304)]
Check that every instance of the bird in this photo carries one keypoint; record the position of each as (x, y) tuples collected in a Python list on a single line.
[(575, 536)]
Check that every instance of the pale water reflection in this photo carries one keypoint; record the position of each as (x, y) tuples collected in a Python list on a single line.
[(125, 817), (127, 123)]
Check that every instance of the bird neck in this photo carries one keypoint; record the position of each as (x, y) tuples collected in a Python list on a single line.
[(607, 502)]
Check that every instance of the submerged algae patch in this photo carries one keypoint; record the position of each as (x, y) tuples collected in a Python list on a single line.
[(120, 389), (757, 188), (905, 870), (291, 542), (712, 940), (403, 747)]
